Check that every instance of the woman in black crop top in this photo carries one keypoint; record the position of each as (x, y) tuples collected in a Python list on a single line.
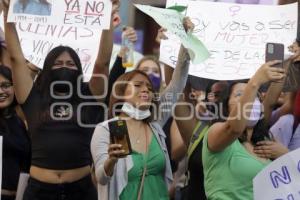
[(61, 112), (16, 143)]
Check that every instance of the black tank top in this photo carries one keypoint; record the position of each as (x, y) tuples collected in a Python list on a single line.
[(196, 176), (61, 143)]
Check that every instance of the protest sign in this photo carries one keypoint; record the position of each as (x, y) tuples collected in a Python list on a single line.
[(172, 20), (235, 37), (280, 180), (37, 40), (84, 13)]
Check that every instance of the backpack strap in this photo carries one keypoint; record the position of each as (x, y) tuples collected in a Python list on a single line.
[(198, 134)]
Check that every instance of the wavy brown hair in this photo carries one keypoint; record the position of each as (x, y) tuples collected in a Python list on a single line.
[(119, 87)]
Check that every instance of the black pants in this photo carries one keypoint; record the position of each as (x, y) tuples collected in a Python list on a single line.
[(5, 197), (82, 189)]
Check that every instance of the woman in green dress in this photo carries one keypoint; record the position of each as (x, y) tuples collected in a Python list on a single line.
[(146, 172)]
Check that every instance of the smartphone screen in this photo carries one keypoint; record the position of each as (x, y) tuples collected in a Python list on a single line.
[(119, 135), (275, 51)]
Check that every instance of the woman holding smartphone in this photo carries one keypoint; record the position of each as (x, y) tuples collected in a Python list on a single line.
[(146, 173), (228, 150)]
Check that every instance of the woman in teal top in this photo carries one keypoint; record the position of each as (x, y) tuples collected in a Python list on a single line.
[(229, 162)]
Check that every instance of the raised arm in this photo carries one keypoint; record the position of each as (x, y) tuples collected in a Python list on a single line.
[(22, 78), (178, 146), (117, 69), (274, 92), (5, 59), (185, 116), (98, 82), (172, 92), (221, 135)]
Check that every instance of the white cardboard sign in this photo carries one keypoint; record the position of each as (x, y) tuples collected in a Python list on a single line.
[(280, 180), (82, 13), (236, 35)]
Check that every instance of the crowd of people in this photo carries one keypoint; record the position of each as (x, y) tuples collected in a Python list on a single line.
[(189, 137)]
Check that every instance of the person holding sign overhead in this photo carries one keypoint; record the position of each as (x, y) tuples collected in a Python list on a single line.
[(33, 7), (61, 111)]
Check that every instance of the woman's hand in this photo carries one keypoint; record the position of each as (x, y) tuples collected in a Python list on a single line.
[(161, 35), (270, 149), (130, 33), (268, 73), (188, 24), (115, 152), (4, 4)]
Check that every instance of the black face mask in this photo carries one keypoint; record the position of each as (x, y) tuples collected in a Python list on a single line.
[(64, 74)]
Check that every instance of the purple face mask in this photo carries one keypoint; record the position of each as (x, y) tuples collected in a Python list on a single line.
[(155, 80)]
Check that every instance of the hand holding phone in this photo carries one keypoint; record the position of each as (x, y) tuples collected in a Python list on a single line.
[(275, 51), (119, 136)]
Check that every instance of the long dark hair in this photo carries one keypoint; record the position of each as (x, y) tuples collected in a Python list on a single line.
[(222, 103), (44, 78)]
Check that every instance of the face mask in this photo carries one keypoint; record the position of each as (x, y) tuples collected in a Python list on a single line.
[(155, 80), (67, 75), (135, 113), (255, 114)]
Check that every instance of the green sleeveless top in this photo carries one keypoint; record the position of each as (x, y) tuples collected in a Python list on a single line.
[(154, 184), (229, 173)]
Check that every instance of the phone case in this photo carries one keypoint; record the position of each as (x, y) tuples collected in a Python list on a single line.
[(119, 135), (275, 51)]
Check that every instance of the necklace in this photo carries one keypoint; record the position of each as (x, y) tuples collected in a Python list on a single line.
[(138, 140)]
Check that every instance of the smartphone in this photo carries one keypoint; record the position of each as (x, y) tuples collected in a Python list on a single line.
[(275, 51), (119, 135)]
